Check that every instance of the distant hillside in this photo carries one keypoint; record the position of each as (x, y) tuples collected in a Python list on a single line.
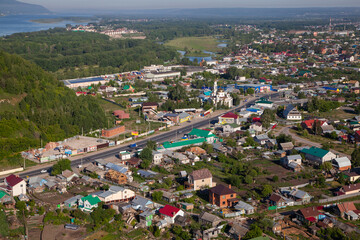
[(13, 7), (34, 105)]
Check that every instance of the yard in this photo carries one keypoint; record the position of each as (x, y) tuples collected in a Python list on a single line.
[(336, 114), (58, 232), (53, 197)]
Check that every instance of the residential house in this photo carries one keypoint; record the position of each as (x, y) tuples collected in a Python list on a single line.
[(291, 113), (120, 114), (36, 184), (149, 108), (199, 179), (342, 163), (327, 129), (257, 127), (343, 209), (196, 150), (7, 200), (352, 176), (170, 212), (231, 128), (206, 218), (15, 185), (157, 157), (142, 203), (186, 206), (277, 200), (292, 159), (300, 196), (68, 175), (116, 194), (318, 155), (286, 146), (210, 233), (222, 196), (262, 139), (133, 162), (308, 215), (169, 197), (124, 155), (116, 177), (309, 124), (88, 203), (350, 189), (237, 231), (73, 201), (244, 208), (229, 118), (147, 174), (146, 218), (264, 104)]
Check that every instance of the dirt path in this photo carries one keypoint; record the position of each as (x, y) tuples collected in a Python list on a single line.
[(286, 130)]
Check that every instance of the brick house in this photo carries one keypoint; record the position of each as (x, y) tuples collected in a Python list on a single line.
[(222, 196), (111, 132)]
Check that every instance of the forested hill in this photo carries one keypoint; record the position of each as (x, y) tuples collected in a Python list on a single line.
[(11, 7), (34, 104), (79, 54)]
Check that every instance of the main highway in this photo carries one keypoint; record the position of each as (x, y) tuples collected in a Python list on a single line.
[(166, 136)]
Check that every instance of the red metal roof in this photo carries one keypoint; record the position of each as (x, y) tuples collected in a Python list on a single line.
[(13, 180), (169, 210), (230, 115)]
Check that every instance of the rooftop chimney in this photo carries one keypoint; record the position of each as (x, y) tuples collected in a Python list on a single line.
[(230, 186)]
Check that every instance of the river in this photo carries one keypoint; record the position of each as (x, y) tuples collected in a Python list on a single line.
[(21, 23)]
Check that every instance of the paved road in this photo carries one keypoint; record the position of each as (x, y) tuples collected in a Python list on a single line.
[(166, 136)]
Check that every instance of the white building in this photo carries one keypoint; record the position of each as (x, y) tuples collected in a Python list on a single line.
[(16, 185), (157, 157), (116, 194)]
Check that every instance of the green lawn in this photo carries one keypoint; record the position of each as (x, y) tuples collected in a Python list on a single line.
[(4, 226), (195, 43)]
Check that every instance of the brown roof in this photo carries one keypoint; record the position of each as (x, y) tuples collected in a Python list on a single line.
[(346, 206), (149, 104), (201, 174), (309, 212), (67, 173), (134, 161), (275, 198), (221, 190), (351, 188)]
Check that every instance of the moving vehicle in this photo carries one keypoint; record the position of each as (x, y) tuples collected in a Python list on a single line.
[(134, 145), (44, 171)]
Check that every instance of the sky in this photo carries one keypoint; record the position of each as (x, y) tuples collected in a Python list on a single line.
[(60, 5)]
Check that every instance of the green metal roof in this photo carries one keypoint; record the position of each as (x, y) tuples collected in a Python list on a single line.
[(201, 133), (233, 125), (264, 102), (92, 200), (2, 194), (317, 152), (184, 143)]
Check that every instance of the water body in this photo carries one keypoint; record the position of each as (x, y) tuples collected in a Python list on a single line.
[(21, 23), (198, 59), (222, 45)]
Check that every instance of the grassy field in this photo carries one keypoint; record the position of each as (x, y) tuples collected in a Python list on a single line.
[(335, 114), (4, 226), (195, 44)]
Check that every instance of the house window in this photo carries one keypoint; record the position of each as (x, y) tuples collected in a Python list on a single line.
[(223, 202), (231, 195), (203, 180)]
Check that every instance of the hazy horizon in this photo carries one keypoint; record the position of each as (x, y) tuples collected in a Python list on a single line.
[(113, 5)]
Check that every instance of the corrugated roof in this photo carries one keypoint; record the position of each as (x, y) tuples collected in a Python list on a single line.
[(183, 143), (343, 162), (317, 152), (201, 133)]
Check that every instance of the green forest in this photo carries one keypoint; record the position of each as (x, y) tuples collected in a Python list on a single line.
[(40, 107), (81, 54)]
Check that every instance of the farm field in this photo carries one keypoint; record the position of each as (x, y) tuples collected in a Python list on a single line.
[(193, 44)]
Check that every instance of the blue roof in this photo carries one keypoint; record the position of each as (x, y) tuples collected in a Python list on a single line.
[(116, 168), (82, 80), (146, 174)]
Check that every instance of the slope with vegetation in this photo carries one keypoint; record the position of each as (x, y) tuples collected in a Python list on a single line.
[(81, 54), (43, 108)]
